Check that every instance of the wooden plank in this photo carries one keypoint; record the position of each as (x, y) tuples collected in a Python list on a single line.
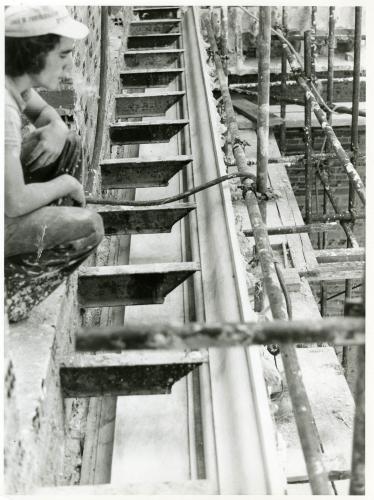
[(295, 117), (301, 249), (93, 375), (193, 487), (151, 59), (98, 443), (336, 271), (141, 220), (125, 173), (340, 255), (155, 12), (132, 284), (150, 104), (145, 132), (152, 41), (247, 108), (156, 77), (154, 26)]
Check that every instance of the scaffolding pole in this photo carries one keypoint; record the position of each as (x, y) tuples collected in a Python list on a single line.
[(290, 83), (327, 129), (308, 128), (224, 36), (347, 229), (264, 37), (354, 129), (306, 228), (284, 77), (308, 434), (322, 241), (313, 47), (357, 484), (136, 335)]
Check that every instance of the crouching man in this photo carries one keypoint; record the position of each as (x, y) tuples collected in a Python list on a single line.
[(48, 232)]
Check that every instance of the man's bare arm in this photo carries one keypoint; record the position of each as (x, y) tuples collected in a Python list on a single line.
[(21, 198), (50, 130)]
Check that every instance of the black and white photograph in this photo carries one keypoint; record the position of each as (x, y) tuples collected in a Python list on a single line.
[(184, 238)]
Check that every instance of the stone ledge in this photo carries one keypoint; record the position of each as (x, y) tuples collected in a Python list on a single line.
[(34, 411)]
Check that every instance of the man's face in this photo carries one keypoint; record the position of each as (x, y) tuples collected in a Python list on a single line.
[(58, 63)]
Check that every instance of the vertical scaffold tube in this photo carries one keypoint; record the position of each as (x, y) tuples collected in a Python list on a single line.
[(357, 484), (309, 438), (283, 128), (264, 39), (308, 128), (354, 128)]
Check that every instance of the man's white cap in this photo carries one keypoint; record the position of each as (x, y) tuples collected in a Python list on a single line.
[(22, 21)]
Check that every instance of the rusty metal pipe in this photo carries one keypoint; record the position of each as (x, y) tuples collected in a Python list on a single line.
[(308, 128), (354, 128), (306, 228), (263, 103), (283, 111), (135, 335), (357, 484)]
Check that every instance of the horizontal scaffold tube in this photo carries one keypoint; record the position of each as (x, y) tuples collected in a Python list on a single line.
[(135, 335), (326, 127), (306, 228)]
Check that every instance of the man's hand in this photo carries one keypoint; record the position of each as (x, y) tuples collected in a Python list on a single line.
[(50, 142)]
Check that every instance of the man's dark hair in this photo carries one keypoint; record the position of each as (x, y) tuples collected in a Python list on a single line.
[(27, 55)]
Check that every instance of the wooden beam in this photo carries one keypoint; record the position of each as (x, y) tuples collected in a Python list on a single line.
[(101, 286), (248, 109), (93, 375), (335, 271), (154, 26), (151, 59), (145, 132), (340, 255), (124, 173), (152, 41), (191, 487), (154, 103), (157, 77), (141, 220)]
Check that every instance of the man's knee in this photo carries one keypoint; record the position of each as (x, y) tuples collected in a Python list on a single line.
[(95, 226)]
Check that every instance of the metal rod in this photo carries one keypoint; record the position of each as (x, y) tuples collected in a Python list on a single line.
[(308, 128), (307, 228), (348, 231), (263, 47), (290, 83), (138, 335), (327, 129), (357, 484), (322, 242), (299, 102), (284, 77), (313, 48), (224, 37), (334, 475), (354, 128), (343, 216), (303, 414)]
